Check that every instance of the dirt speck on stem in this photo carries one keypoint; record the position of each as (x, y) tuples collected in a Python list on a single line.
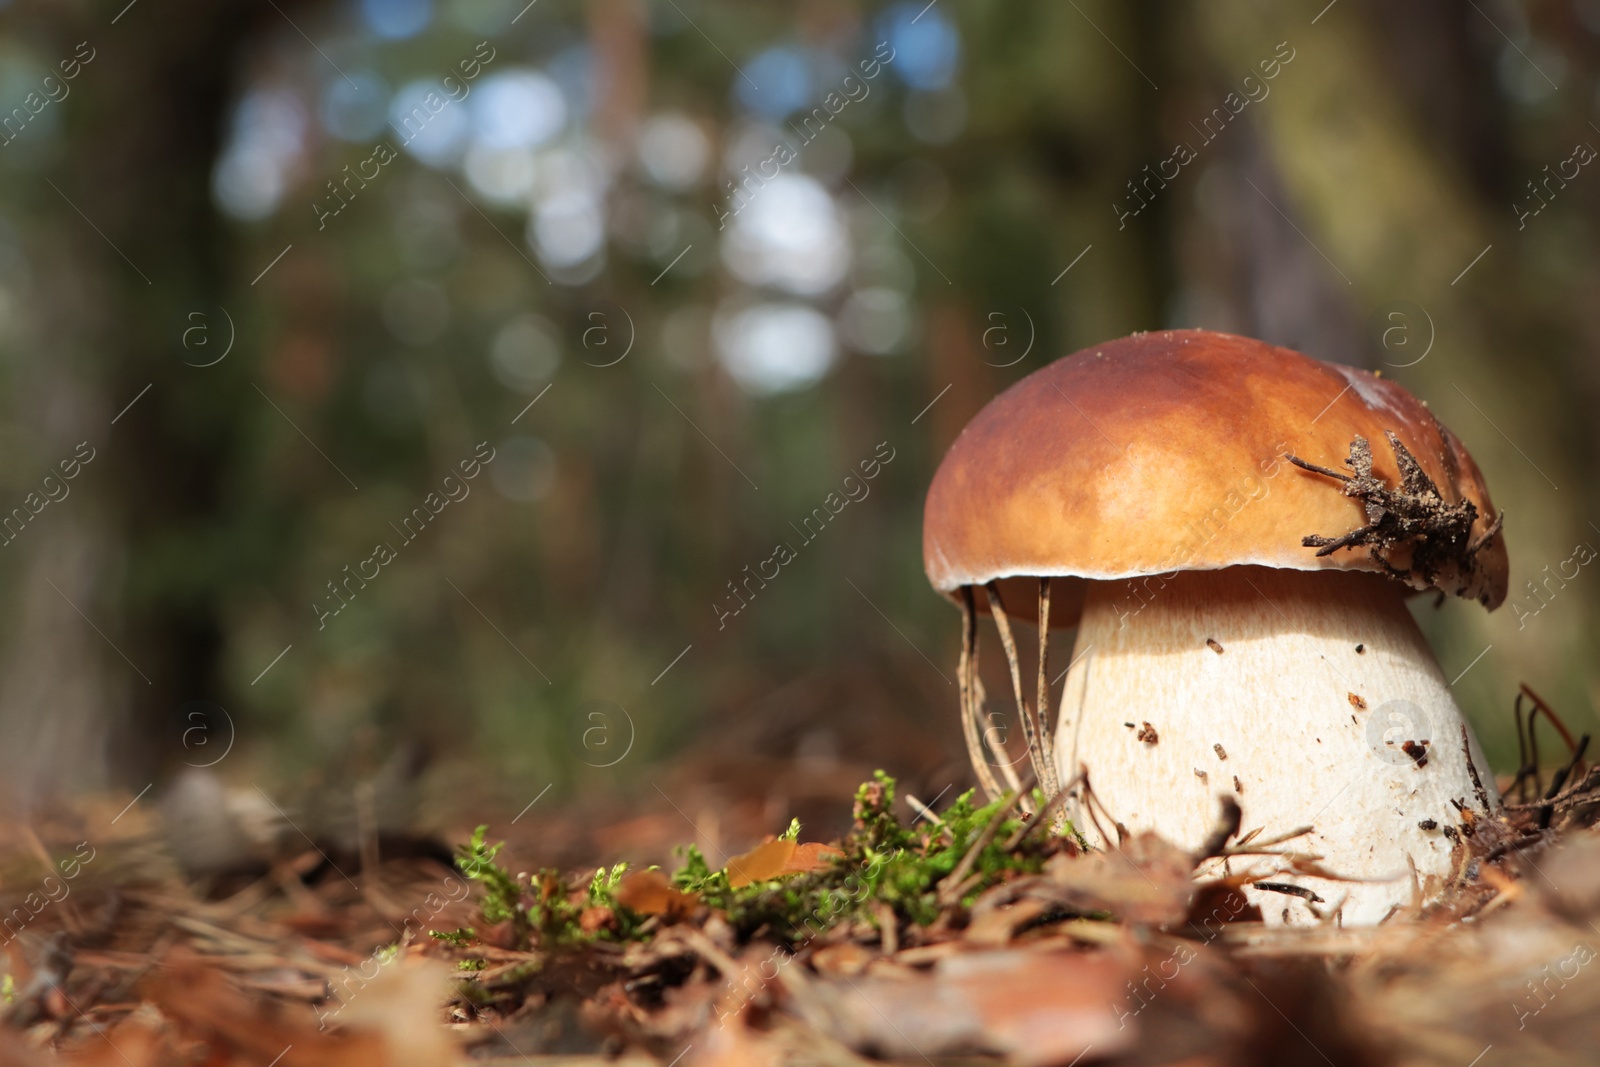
[(1418, 751)]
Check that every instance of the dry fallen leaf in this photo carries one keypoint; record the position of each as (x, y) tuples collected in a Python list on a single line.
[(776, 859), (735, 1046), (142, 1039), (1042, 1009), (389, 1021), (206, 1004), (764, 862), (649, 893), (1146, 882), (814, 856), (845, 958), (402, 1005)]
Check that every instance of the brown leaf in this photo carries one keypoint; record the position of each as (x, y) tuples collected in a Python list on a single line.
[(814, 856), (777, 859), (762, 863), (549, 886), (736, 1046), (1039, 1008), (401, 1006), (995, 926), (500, 935), (846, 958), (649, 893), (1147, 881), (208, 1006), (141, 1040), (597, 918)]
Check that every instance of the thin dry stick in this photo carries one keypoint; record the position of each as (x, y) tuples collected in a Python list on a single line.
[(1007, 766), (1539, 704), (1547, 810), (1533, 750), (1519, 784), (969, 701), (980, 714), (950, 885), (1250, 845), (1050, 781), (1090, 800), (1039, 816), (1565, 772), (1029, 730), (1549, 713)]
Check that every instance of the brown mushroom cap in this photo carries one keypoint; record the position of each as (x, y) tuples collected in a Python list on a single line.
[(1165, 451)]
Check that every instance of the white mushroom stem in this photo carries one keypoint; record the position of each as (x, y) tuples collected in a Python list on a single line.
[(1311, 698)]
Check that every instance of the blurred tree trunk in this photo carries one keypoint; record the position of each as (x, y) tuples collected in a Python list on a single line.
[(123, 249), (1398, 195)]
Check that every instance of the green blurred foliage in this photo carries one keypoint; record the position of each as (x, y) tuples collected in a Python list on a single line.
[(596, 545)]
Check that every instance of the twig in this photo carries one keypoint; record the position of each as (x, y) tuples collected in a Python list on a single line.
[(1566, 773), (1052, 784), (1248, 845), (1008, 768), (1472, 769), (707, 950), (1303, 465), (1533, 750), (1030, 730), (1038, 817), (1523, 768), (953, 879), (1288, 889), (923, 809), (1286, 853), (968, 673), (888, 929), (1090, 799), (1528, 748), (1555, 720), (1560, 780)]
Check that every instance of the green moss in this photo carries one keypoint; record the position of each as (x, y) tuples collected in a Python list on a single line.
[(502, 896), (883, 863)]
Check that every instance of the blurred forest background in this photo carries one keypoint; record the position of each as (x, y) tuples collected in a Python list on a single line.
[(279, 292)]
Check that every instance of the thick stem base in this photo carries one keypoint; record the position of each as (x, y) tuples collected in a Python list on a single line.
[(1311, 698)]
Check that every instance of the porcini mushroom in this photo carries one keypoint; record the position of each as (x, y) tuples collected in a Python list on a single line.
[(1234, 528)]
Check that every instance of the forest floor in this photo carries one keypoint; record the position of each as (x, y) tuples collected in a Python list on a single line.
[(973, 936)]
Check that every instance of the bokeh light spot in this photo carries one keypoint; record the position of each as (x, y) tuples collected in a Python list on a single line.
[(772, 348)]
